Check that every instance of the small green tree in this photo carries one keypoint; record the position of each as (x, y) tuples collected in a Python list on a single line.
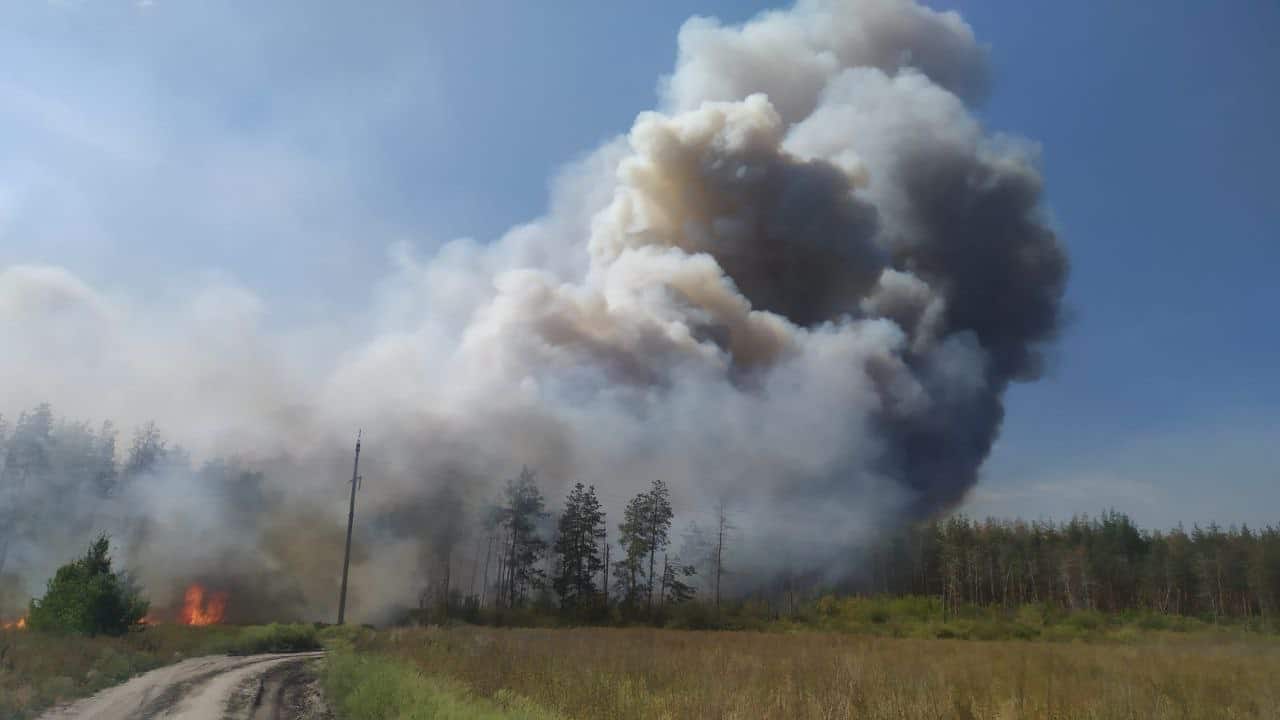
[(86, 597)]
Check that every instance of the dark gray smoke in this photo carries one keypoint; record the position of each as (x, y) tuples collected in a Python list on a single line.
[(802, 286)]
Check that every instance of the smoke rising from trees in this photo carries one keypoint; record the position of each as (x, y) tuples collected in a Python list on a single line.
[(803, 284)]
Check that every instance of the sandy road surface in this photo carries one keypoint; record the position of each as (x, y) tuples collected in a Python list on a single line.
[(253, 687)]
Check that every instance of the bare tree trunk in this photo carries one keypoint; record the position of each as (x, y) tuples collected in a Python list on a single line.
[(501, 584), (653, 550), (484, 585), (448, 576), (511, 568), (475, 568), (662, 596)]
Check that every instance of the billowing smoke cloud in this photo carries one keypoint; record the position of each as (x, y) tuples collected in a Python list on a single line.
[(802, 286)]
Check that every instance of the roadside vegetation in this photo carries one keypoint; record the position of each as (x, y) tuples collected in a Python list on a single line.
[(86, 633), (39, 669), (377, 686)]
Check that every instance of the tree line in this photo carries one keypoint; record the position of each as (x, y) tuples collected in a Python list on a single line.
[(1104, 563), (57, 475), (54, 472), (63, 480)]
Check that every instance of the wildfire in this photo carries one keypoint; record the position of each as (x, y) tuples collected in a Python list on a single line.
[(197, 609), (19, 624)]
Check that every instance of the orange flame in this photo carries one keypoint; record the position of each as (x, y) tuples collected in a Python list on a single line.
[(19, 624), (197, 610)]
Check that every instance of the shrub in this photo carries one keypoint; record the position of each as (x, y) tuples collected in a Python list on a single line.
[(693, 616), (1086, 620), (1154, 621), (272, 638), (87, 598)]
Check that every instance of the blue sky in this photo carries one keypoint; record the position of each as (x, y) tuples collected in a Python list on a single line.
[(290, 146)]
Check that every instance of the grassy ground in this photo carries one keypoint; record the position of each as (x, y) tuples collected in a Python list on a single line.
[(849, 658), (375, 687), (646, 673), (38, 669), (886, 616), (925, 617)]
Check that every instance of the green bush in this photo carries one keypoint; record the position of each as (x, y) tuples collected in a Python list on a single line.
[(271, 638), (87, 598), (1086, 620), (693, 616)]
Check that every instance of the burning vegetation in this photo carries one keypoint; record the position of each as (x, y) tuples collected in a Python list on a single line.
[(201, 608)]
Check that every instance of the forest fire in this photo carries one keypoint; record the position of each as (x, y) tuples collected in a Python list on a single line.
[(199, 608), (19, 624)]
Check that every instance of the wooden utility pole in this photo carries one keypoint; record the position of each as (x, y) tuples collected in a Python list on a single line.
[(351, 519)]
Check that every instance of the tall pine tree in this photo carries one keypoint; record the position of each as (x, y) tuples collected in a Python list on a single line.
[(524, 508), (645, 530), (581, 531), (629, 572), (657, 527)]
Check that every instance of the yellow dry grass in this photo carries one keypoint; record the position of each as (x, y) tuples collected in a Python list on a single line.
[(653, 674)]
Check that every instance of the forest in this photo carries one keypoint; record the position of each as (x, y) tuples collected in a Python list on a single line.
[(569, 558)]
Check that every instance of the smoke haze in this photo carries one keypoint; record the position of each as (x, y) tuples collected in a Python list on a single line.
[(802, 285)]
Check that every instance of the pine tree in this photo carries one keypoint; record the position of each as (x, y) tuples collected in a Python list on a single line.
[(657, 526), (644, 532), (520, 516), (629, 577), (581, 531)]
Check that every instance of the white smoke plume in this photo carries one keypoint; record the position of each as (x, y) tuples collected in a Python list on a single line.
[(802, 285)]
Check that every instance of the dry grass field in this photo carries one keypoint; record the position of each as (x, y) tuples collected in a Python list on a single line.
[(652, 674)]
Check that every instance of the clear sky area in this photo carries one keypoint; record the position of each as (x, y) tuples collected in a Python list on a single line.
[(290, 146)]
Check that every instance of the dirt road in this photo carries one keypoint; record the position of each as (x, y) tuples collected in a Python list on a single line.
[(253, 687)]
